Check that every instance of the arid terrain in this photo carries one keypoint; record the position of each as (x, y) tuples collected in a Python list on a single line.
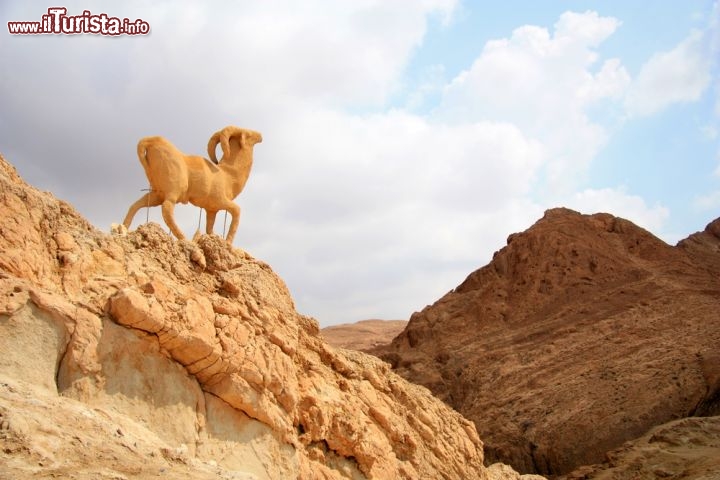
[(141, 356), (583, 333), (363, 335), (587, 349)]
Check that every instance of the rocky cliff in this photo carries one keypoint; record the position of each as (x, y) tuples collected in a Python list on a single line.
[(138, 356), (584, 332)]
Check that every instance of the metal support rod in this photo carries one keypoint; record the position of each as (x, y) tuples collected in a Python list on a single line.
[(147, 203)]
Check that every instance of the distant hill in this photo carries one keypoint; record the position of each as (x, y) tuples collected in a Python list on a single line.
[(584, 332), (363, 335)]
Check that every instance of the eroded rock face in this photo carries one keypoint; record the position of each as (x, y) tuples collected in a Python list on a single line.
[(584, 332), (201, 346)]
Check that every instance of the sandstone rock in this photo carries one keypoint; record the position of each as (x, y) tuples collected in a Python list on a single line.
[(685, 449), (35, 357), (43, 435), (584, 332), (188, 360)]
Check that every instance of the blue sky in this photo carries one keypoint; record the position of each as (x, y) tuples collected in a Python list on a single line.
[(403, 141)]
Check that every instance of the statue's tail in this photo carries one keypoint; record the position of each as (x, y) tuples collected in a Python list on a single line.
[(142, 155)]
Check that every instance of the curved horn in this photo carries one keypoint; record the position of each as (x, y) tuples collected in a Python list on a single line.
[(232, 131), (246, 136), (222, 138)]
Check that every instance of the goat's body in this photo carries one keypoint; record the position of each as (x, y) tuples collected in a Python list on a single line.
[(178, 178), (171, 173)]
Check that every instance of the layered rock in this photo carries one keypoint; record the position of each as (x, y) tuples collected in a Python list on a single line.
[(196, 353), (584, 332)]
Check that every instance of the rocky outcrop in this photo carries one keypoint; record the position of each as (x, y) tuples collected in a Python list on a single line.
[(152, 355), (364, 335), (584, 332), (686, 449)]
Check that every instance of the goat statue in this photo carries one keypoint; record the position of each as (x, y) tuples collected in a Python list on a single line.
[(178, 178)]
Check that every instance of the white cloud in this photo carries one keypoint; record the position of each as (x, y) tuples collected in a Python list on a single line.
[(679, 75), (544, 83), (391, 201), (390, 263), (618, 202), (272, 53), (610, 82), (587, 28)]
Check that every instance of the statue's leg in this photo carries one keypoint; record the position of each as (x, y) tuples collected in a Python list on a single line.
[(150, 199), (168, 208), (235, 213), (210, 221)]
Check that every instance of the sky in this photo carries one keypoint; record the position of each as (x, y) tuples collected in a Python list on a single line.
[(403, 141)]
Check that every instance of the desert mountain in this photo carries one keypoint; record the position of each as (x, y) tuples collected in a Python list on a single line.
[(583, 332), (140, 356), (363, 335)]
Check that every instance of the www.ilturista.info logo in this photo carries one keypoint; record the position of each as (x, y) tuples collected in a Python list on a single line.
[(59, 23)]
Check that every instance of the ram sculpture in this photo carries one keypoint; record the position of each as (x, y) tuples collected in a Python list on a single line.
[(178, 178)]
